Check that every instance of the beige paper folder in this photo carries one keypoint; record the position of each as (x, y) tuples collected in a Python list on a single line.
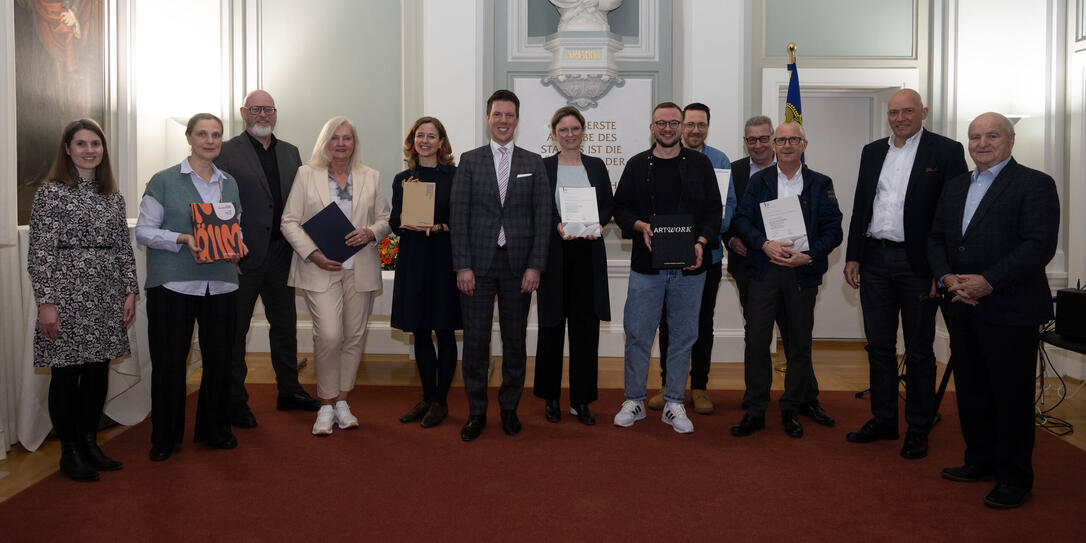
[(418, 204)]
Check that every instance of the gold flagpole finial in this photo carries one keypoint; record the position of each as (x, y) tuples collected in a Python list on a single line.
[(792, 53)]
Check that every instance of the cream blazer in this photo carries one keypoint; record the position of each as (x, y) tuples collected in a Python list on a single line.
[(370, 209)]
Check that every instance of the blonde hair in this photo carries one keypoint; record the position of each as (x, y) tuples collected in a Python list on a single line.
[(322, 157)]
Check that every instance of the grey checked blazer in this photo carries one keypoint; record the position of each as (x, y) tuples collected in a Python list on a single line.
[(477, 213)]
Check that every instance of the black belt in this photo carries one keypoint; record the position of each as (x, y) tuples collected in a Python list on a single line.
[(887, 243)]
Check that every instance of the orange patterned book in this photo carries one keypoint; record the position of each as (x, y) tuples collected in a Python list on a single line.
[(216, 229)]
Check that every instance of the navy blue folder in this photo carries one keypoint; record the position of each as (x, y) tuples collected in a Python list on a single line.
[(329, 229)]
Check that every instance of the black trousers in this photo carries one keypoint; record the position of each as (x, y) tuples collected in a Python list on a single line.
[(888, 288), (77, 395), (778, 291), (743, 286), (478, 313), (578, 299), (435, 369), (702, 351), (994, 371), (269, 282), (170, 317)]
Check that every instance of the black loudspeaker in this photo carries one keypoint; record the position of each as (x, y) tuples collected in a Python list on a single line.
[(1071, 313)]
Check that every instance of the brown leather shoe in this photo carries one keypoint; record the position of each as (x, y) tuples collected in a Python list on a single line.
[(702, 404), (656, 402)]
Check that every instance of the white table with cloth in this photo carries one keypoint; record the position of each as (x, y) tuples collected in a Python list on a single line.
[(24, 389)]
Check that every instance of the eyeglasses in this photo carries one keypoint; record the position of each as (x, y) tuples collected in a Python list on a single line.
[(751, 140), (256, 110), (666, 124), (693, 125), (794, 140)]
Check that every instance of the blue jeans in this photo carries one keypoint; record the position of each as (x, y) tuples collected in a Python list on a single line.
[(644, 301)]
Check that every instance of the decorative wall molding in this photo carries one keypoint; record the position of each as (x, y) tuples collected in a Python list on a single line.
[(641, 48)]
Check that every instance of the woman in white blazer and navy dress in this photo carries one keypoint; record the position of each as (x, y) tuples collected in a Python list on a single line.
[(338, 295)]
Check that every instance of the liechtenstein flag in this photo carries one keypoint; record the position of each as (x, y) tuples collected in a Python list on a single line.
[(793, 109)]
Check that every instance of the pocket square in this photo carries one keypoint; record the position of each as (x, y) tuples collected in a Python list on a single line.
[(519, 175), (930, 170)]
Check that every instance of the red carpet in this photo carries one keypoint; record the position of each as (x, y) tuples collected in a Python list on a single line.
[(554, 482)]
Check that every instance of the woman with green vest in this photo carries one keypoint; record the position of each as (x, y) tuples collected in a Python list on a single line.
[(185, 288)]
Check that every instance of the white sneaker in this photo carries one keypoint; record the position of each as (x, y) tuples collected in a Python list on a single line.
[(325, 417), (344, 418), (631, 412), (675, 415)]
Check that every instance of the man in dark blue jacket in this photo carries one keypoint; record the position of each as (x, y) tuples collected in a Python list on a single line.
[(783, 277)]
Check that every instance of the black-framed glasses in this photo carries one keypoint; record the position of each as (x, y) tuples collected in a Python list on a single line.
[(666, 124), (692, 125), (751, 140), (792, 140), (256, 110)]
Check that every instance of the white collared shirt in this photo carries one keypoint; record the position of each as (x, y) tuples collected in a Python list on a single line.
[(754, 168), (149, 233), (789, 187), (494, 150), (888, 209)]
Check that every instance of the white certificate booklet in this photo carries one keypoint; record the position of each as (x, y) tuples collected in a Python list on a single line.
[(580, 216), (783, 221), (723, 179)]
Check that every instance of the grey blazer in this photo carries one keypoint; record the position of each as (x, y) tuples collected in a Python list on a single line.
[(238, 158), (477, 213)]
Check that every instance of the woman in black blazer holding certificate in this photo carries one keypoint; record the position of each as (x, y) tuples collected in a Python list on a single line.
[(574, 287), (424, 296)]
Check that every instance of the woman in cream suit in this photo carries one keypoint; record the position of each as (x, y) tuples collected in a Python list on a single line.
[(339, 295)]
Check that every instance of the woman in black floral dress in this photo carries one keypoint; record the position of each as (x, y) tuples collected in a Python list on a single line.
[(84, 276)]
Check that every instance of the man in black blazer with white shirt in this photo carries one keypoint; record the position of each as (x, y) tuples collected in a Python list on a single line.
[(898, 188), (995, 230), (264, 167), (500, 223)]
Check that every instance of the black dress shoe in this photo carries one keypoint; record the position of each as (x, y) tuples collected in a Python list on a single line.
[(968, 473), (552, 411), (74, 465), (242, 417), (88, 445), (872, 430), (437, 413), (584, 416), (1005, 496), (510, 422), (748, 425), (416, 413), (791, 424), (473, 427), (299, 401), (916, 445), (159, 455), (817, 414), (226, 443)]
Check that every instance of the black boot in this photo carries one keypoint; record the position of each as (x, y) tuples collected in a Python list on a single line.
[(73, 464), (94, 456)]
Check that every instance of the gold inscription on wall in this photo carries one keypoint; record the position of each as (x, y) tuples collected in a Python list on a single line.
[(600, 140), (584, 54)]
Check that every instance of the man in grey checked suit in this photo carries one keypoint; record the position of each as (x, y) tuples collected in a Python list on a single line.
[(264, 168), (500, 226)]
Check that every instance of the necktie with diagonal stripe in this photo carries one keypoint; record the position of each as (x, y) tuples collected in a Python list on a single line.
[(503, 186)]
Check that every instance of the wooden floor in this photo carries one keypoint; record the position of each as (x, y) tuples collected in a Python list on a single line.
[(839, 365)]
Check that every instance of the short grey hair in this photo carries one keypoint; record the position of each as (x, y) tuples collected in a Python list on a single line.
[(802, 132), (759, 120)]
